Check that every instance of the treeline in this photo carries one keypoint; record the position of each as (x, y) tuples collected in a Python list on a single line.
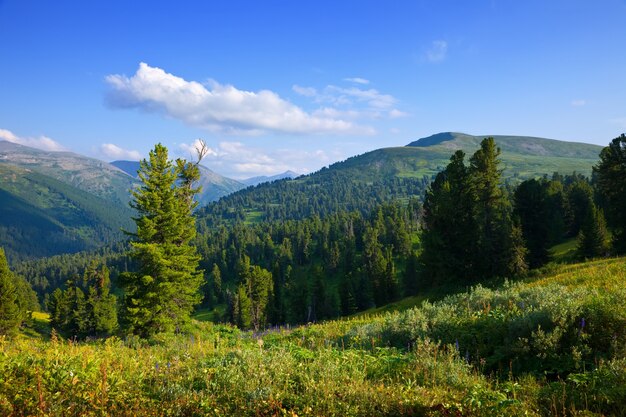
[(318, 268), (17, 299), (471, 228), (474, 228), (47, 274), (321, 195)]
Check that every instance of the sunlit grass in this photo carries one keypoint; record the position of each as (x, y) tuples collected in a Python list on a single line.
[(519, 349)]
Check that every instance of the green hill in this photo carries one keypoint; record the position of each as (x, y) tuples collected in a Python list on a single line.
[(363, 181), (41, 216), (87, 174)]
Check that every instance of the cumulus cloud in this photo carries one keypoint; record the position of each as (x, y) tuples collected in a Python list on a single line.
[(115, 152), (357, 80), (237, 160), (218, 107), (40, 142), (192, 149), (437, 51), (351, 103), (578, 103)]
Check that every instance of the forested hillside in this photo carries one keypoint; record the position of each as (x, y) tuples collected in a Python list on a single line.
[(41, 216), (362, 182)]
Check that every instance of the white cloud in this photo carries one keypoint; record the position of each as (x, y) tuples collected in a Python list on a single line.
[(437, 51), (218, 107), (115, 152), (192, 149), (395, 113), (371, 96), (237, 160), (41, 142), (357, 80), (351, 103), (578, 103), (305, 91)]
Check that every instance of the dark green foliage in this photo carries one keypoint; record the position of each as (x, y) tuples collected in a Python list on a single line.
[(540, 206), (498, 246), (160, 296), (580, 200), (468, 234), (320, 267), (34, 205), (10, 314), (449, 226), (610, 173), (85, 308), (593, 238), (47, 274)]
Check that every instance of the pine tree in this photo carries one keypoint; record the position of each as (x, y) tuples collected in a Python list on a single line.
[(610, 173), (101, 305), (593, 239), (10, 314), (496, 248), (449, 229), (160, 296)]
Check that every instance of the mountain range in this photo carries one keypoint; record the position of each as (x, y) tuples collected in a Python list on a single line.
[(58, 202)]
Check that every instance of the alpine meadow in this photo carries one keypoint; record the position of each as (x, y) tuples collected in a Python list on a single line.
[(256, 209)]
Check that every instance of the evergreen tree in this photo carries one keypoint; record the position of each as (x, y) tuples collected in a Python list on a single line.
[(160, 296), (531, 208), (10, 314), (580, 199), (101, 304), (610, 174), (411, 278), (593, 238), (259, 284), (449, 229), (497, 247)]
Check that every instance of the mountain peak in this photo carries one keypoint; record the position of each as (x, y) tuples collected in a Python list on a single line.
[(435, 139)]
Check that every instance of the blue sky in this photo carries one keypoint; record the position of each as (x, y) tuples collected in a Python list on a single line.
[(279, 85)]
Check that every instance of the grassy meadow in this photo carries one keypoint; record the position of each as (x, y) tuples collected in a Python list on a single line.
[(552, 344)]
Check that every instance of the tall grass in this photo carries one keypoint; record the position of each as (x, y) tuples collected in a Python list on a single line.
[(553, 345)]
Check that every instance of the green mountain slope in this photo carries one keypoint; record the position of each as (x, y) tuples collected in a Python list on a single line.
[(214, 186), (87, 174), (362, 181), (41, 216)]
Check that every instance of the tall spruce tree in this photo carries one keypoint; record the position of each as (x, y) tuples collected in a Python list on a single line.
[(160, 296), (593, 238), (449, 227), (611, 185), (10, 314), (498, 245), (467, 231)]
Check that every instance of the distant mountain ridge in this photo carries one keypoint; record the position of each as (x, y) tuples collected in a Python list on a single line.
[(524, 145), (214, 186), (87, 174), (264, 178)]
